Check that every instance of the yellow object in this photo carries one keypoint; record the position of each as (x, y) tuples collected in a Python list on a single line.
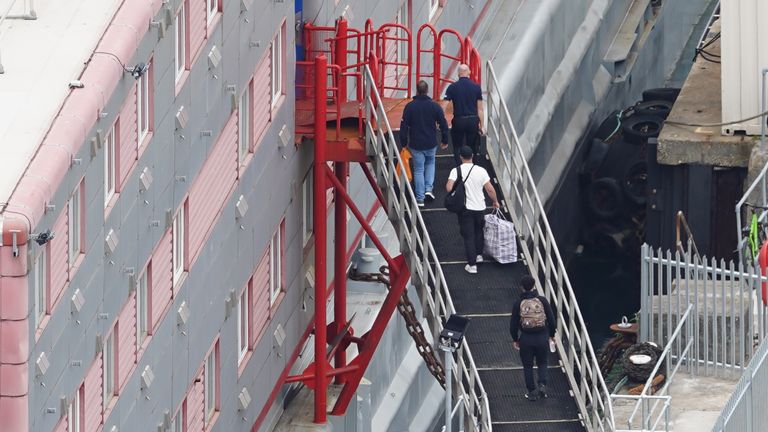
[(405, 157)]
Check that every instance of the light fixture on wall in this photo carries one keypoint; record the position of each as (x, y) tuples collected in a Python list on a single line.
[(147, 376), (43, 237), (77, 301), (42, 364), (243, 399), (182, 314), (136, 71)]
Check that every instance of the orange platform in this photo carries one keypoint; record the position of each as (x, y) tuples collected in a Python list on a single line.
[(347, 145)]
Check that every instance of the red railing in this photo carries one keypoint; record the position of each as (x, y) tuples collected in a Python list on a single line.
[(349, 50), (432, 53), (306, 93), (397, 34), (436, 43)]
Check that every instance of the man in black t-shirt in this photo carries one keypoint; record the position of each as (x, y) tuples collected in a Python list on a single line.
[(532, 327), (466, 98)]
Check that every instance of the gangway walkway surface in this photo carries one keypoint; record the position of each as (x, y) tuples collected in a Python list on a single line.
[(487, 298)]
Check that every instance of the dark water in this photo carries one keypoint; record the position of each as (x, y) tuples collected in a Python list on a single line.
[(607, 288)]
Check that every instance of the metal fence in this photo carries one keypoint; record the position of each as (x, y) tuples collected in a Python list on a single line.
[(647, 402), (543, 259), (729, 314), (426, 272), (746, 410)]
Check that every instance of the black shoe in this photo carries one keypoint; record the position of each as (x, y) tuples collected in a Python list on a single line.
[(542, 391), (429, 196), (532, 395)]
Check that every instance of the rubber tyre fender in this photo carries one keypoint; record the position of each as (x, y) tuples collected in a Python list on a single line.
[(597, 153), (666, 94), (638, 128), (635, 184), (604, 198), (659, 108)]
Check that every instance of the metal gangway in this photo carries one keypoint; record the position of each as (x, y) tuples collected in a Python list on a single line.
[(486, 375), (489, 379)]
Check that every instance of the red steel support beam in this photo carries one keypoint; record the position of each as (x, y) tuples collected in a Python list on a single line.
[(364, 223), (320, 216), (374, 186), (340, 47), (300, 344), (307, 377), (340, 264), (399, 275)]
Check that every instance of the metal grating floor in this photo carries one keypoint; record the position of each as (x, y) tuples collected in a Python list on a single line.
[(487, 298)]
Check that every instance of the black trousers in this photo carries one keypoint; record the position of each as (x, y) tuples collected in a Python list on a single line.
[(534, 346), (465, 131), (471, 224)]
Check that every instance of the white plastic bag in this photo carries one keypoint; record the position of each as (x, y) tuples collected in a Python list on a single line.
[(500, 238)]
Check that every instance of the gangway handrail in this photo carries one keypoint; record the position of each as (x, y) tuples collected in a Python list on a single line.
[(426, 271), (544, 260)]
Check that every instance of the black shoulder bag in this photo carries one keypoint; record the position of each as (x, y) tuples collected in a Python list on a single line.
[(456, 200)]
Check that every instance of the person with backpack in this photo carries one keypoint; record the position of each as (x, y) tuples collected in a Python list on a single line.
[(532, 327), (465, 198)]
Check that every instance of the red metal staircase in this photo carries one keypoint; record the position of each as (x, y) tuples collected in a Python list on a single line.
[(333, 119)]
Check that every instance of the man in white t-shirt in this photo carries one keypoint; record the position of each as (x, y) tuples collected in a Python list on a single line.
[(472, 220)]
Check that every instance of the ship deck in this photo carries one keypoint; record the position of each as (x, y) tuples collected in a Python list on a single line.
[(486, 298)]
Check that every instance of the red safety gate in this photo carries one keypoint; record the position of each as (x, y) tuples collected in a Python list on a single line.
[(437, 55), (322, 96)]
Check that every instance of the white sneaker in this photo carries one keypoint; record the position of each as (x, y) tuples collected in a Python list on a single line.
[(470, 268), (479, 258)]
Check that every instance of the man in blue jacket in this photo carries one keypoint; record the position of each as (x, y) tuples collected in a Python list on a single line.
[(418, 132)]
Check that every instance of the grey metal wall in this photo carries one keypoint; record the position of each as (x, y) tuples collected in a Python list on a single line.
[(552, 64)]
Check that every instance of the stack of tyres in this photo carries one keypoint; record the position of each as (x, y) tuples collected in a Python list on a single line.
[(614, 173)]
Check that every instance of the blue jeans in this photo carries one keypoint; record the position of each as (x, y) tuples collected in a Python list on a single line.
[(423, 171)]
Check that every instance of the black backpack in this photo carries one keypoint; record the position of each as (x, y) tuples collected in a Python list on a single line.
[(456, 200)]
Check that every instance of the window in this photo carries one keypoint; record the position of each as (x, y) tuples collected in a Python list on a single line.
[(276, 59), (434, 5), (307, 200), (74, 412), (179, 243), (275, 265), (41, 287), (180, 40), (108, 378), (403, 18), (243, 124), (74, 224), (143, 98), (110, 165), (178, 424), (243, 320), (142, 312), (210, 375), (212, 6)]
